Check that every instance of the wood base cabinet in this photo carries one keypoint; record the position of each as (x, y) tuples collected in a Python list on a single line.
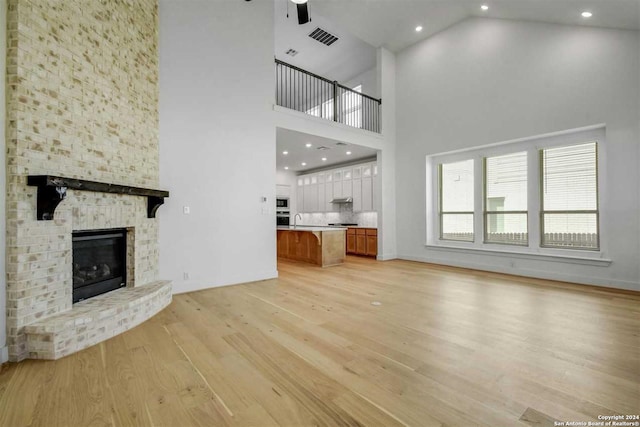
[(323, 248), (362, 241), (351, 241)]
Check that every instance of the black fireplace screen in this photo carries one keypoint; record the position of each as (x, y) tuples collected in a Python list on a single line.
[(99, 262)]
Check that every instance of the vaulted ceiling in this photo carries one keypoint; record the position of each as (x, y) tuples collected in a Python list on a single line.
[(392, 23)]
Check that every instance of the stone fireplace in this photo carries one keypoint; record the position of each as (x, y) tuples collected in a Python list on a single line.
[(82, 102)]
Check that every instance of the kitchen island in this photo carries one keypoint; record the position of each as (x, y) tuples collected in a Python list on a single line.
[(323, 246)]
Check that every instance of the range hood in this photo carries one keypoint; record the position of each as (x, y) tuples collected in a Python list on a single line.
[(342, 200)]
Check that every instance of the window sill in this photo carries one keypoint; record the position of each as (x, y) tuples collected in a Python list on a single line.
[(571, 259)]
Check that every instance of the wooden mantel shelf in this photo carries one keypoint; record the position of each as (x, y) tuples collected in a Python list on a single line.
[(53, 189)]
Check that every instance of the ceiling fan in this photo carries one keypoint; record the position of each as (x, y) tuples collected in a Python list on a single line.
[(303, 11)]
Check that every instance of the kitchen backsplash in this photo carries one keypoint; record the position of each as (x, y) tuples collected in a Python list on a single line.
[(346, 215)]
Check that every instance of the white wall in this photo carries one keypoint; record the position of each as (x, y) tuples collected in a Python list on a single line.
[(386, 198), (217, 142), (4, 355), (368, 80), (305, 123), (485, 81), (638, 68)]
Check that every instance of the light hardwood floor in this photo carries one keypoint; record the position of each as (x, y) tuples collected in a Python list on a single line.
[(446, 347)]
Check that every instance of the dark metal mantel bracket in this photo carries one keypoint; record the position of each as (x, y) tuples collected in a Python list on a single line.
[(53, 189)]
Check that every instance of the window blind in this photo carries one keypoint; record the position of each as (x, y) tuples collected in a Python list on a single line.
[(505, 203), (456, 201), (570, 196)]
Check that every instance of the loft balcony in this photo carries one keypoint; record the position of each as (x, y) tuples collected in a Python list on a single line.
[(317, 96)]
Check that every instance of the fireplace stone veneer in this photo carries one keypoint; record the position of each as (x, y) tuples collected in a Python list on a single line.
[(82, 101), (94, 320), (43, 322)]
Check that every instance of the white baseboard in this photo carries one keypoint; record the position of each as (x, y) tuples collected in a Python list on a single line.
[(181, 287), (538, 274), (386, 257), (4, 354)]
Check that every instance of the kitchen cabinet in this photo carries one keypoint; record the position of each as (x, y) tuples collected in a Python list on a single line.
[(315, 191), (337, 184), (357, 189), (367, 195), (372, 242), (362, 241), (367, 188), (322, 246), (300, 195), (322, 205), (351, 240), (306, 204), (328, 192), (283, 191), (311, 191), (374, 187), (347, 184), (357, 195)]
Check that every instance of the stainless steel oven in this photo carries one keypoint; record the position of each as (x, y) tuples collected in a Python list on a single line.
[(282, 203), (282, 218)]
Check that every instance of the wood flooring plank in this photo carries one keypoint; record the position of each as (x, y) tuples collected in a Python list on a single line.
[(126, 388), (448, 346), (535, 418)]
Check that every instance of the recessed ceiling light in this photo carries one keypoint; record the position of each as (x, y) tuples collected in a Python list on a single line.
[(303, 164), (586, 14), (299, 1), (286, 168), (348, 153), (419, 28), (484, 7), (308, 144), (324, 159), (285, 153)]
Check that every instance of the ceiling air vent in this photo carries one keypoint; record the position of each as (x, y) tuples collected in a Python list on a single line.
[(291, 52), (322, 147), (340, 144), (323, 37)]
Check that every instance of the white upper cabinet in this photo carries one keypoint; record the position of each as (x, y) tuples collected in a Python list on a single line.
[(300, 195), (337, 188), (367, 193), (357, 172), (322, 206), (347, 185), (357, 189), (315, 191), (328, 194), (374, 188), (283, 190)]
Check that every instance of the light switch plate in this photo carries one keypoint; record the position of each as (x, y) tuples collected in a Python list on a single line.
[(186, 210)]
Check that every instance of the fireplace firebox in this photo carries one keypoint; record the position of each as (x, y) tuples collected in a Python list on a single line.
[(99, 262)]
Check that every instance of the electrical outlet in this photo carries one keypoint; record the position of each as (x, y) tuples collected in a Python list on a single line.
[(186, 210), (185, 275)]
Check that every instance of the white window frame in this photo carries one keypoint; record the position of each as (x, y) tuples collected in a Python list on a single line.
[(532, 145)]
